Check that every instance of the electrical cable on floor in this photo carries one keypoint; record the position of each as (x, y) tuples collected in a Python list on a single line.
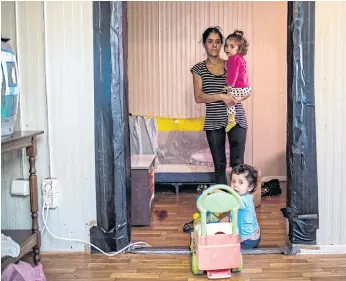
[(45, 220)]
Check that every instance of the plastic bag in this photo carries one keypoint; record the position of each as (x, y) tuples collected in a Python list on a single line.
[(23, 271)]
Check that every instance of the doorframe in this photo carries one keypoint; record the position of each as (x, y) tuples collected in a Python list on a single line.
[(113, 181)]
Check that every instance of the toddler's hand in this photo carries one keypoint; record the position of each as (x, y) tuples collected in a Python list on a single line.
[(227, 88)]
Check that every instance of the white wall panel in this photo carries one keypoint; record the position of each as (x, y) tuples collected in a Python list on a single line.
[(55, 53), (330, 85)]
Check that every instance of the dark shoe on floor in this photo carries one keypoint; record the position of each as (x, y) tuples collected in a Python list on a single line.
[(201, 188), (188, 227), (271, 188)]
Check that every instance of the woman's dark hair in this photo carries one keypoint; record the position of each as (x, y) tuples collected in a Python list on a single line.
[(213, 29), (243, 45), (250, 173)]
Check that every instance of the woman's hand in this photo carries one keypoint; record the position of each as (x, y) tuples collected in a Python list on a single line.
[(241, 99), (238, 99), (229, 100)]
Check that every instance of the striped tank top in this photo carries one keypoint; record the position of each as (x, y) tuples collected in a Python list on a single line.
[(216, 112)]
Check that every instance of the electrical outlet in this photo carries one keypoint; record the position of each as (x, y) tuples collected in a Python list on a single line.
[(50, 193)]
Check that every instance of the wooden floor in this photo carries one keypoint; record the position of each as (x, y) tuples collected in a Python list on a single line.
[(168, 232), (165, 268), (180, 208)]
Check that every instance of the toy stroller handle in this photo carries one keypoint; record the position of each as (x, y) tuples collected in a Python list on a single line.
[(222, 187), (203, 211)]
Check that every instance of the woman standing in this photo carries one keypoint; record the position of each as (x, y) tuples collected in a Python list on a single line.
[(209, 80)]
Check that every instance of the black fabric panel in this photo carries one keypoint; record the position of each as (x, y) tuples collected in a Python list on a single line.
[(302, 197), (112, 138)]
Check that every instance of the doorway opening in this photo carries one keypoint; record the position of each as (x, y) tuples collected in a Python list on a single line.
[(153, 43)]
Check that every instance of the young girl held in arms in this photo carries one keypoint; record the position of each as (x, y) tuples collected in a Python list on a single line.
[(236, 47), (244, 182)]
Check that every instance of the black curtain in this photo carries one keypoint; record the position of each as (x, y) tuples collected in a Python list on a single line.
[(302, 197), (112, 138)]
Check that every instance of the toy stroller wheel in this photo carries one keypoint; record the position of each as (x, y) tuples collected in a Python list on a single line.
[(195, 269), (240, 268)]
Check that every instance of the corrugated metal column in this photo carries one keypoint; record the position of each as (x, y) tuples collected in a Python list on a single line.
[(302, 197), (112, 138)]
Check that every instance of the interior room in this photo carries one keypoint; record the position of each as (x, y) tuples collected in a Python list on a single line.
[(164, 42), (50, 154)]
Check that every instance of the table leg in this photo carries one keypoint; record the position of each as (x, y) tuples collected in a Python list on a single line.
[(31, 152)]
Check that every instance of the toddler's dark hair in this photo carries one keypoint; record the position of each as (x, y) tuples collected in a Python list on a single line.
[(242, 42), (213, 29), (251, 174)]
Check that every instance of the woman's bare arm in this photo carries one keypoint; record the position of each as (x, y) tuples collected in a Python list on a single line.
[(200, 96)]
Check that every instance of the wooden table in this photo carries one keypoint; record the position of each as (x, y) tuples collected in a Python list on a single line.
[(30, 238), (142, 188)]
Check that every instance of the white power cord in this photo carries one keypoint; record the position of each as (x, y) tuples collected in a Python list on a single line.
[(45, 219)]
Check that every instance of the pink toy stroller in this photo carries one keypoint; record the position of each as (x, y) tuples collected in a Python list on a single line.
[(215, 247)]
